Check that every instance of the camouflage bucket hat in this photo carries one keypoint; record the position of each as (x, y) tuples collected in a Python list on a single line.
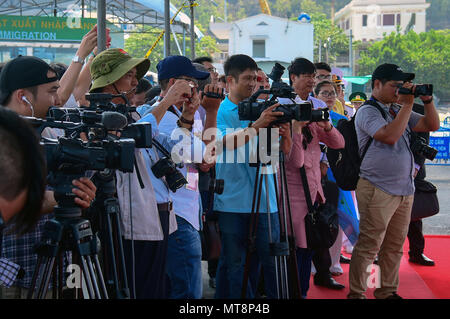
[(110, 65)]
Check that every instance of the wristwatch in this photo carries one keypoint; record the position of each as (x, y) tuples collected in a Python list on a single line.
[(77, 59)]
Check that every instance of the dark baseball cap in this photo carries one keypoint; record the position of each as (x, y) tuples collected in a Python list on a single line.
[(391, 72), (23, 72), (177, 65)]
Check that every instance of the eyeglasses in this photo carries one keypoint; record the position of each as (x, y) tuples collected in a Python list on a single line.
[(212, 69), (323, 77), (327, 93), (306, 75), (194, 81)]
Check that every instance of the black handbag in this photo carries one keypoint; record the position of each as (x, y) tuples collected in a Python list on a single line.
[(321, 221), (426, 202)]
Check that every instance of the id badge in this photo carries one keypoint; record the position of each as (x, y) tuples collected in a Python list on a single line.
[(192, 179)]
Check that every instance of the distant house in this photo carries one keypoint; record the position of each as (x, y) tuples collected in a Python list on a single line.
[(267, 39), (370, 19)]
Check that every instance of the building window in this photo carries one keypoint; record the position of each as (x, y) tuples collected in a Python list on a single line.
[(364, 22), (398, 19), (388, 19), (347, 24), (259, 48)]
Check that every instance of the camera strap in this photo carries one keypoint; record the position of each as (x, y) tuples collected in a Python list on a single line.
[(138, 174), (306, 190)]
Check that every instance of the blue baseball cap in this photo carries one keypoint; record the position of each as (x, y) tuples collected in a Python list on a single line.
[(177, 65)]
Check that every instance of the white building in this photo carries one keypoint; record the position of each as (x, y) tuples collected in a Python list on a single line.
[(370, 19), (269, 39)]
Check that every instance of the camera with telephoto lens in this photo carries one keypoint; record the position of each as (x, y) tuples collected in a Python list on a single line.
[(421, 90), (419, 146), (251, 109), (165, 167)]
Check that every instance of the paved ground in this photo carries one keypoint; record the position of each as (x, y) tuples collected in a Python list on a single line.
[(440, 223), (436, 225)]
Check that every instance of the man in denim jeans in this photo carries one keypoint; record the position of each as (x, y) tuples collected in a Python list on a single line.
[(184, 254), (234, 205)]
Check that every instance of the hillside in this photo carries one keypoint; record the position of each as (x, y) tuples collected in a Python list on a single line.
[(437, 14)]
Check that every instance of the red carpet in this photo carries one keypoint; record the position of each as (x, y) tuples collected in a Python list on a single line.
[(416, 282)]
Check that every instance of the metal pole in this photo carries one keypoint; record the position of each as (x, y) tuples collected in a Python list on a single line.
[(101, 25), (225, 13), (184, 40), (192, 30), (166, 28), (350, 53)]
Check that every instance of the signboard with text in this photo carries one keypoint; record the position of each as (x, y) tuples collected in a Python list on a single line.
[(48, 29)]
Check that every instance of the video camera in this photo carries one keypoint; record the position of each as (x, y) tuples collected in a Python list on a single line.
[(69, 153), (420, 90), (99, 104), (250, 109)]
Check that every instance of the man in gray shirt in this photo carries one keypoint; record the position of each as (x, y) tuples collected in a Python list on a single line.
[(385, 189)]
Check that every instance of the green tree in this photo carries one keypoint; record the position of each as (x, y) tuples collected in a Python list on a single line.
[(327, 35), (425, 54), (138, 44)]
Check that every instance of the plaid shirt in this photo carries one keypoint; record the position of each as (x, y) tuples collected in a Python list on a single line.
[(8, 272), (20, 250)]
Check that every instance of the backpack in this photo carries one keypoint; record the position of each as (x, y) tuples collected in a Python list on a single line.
[(345, 163)]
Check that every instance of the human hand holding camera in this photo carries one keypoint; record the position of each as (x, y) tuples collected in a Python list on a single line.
[(178, 93), (326, 125), (212, 96), (88, 43), (406, 94), (85, 191), (267, 117), (298, 125)]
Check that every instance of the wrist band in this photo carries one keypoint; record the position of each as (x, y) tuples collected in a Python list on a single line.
[(428, 101), (181, 126), (183, 120)]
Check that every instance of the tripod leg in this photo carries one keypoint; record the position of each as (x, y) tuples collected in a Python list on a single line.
[(93, 276), (47, 273), (87, 277), (121, 256), (251, 236), (35, 277), (112, 252), (100, 276)]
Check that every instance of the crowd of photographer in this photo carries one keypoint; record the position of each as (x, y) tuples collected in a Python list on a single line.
[(164, 158)]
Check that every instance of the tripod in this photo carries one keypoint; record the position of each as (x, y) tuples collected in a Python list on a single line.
[(283, 251), (67, 232), (106, 214)]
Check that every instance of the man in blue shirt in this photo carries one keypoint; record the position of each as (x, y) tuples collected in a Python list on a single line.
[(184, 252), (234, 205)]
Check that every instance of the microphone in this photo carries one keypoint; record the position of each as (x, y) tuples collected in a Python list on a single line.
[(114, 121)]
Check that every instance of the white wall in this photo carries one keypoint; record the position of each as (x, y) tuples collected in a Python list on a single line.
[(285, 40)]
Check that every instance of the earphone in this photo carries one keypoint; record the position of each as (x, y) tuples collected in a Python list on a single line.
[(24, 98)]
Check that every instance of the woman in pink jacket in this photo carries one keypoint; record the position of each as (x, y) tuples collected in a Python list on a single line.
[(306, 152)]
